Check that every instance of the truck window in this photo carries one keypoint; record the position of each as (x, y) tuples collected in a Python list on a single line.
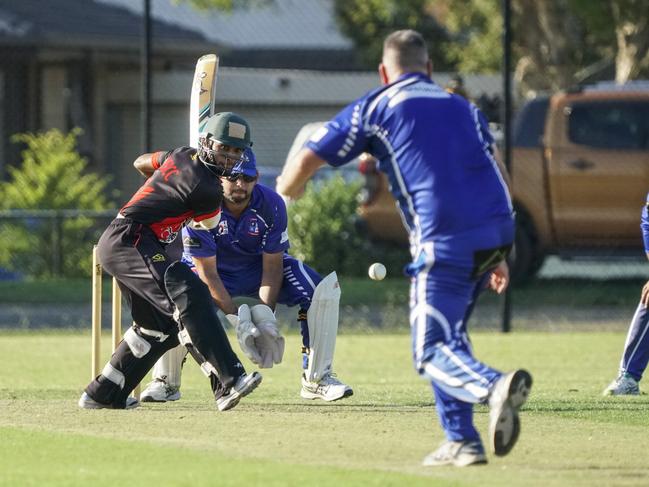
[(529, 124), (620, 125)]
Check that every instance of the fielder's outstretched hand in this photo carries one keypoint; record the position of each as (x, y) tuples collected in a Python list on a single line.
[(499, 277), (644, 297)]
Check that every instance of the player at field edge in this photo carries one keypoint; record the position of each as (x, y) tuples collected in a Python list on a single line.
[(635, 355), (169, 303), (452, 191), (247, 255)]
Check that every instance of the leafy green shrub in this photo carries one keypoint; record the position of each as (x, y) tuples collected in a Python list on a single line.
[(324, 234), (53, 176)]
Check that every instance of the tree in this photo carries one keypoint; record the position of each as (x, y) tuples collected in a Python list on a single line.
[(225, 5), (336, 243), (53, 176), (476, 29), (566, 41), (624, 24), (556, 44), (549, 44), (368, 22)]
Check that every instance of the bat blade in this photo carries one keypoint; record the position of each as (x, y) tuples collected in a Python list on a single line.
[(202, 100)]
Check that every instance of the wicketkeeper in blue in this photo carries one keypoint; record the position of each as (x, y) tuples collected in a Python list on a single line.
[(246, 255), (440, 159), (635, 355)]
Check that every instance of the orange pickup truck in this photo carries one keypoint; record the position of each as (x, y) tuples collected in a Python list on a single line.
[(580, 173)]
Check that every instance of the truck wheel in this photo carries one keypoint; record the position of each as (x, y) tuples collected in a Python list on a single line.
[(525, 259)]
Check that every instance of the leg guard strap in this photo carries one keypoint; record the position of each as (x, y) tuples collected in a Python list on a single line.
[(139, 340), (200, 326), (126, 370), (207, 368), (113, 375)]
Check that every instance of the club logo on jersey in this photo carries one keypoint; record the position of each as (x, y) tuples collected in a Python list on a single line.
[(158, 258), (222, 229), (192, 243), (253, 227), (167, 235), (168, 169)]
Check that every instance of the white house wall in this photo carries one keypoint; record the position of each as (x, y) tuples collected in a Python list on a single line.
[(277, 103)]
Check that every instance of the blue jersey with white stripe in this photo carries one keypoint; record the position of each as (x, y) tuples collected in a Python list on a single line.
[(238, 243), (435, 148), (644, 225)]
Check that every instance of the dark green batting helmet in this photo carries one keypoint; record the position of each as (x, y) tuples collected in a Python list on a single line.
[(229, 129), (224, 128)]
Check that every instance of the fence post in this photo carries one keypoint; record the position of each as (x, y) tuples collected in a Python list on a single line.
[(506, 120)]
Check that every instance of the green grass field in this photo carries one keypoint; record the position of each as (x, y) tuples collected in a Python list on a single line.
[(571, 436), (393, 290)]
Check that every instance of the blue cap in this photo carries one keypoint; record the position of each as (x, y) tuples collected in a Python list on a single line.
[(248, 165)]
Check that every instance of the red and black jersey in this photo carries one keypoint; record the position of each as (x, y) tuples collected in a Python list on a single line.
[(181, 188)]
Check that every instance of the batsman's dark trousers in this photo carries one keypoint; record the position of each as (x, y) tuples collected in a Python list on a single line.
[(131, 252)]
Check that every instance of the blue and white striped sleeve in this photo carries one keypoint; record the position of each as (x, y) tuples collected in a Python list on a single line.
[(483, 126), (644, 225), (342, 139)]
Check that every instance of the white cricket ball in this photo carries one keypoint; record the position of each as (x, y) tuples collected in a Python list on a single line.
[(377, 271)]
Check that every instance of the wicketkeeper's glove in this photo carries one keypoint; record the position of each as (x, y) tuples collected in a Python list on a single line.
[(247, 333), (269, 343)]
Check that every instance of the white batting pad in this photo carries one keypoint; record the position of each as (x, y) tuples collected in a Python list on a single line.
[(138, 345), (169, 367), (322, 319)]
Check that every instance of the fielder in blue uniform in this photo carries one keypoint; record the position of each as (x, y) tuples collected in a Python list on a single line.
[(439, 157), (245, 255), (636, 347)]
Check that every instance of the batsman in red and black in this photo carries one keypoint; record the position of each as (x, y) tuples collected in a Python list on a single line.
[(169, 303)]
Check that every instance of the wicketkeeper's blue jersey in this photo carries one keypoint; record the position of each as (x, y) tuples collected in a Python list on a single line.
[(435, 148), (239, 243)]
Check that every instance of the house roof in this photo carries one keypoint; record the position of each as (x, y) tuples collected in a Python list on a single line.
[(281, 24), (83, 23), (282, 34)]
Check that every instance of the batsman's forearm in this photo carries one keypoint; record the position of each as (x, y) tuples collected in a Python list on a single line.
[(144, 165)]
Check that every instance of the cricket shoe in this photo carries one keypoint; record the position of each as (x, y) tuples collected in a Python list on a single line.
[(508, 394), (457, 453), (245, 385), (86, 402), (624, 385), (329, 388), (159, 391)]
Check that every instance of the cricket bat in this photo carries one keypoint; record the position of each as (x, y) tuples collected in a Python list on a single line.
[(202, 100)]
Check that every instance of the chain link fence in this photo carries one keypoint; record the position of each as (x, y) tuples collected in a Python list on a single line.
[(579, 164)]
